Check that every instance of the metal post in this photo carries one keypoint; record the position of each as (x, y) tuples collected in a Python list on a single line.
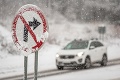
[(103, 37), (25, 67), (100, 36), (36, 65)]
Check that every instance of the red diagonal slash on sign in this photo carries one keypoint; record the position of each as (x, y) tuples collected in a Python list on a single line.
[(31, 32)]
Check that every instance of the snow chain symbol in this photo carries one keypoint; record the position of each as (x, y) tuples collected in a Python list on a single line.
[(33, 24)]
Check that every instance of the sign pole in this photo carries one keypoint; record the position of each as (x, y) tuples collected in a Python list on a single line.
[(25, 67), (36, 65), (29, 24)]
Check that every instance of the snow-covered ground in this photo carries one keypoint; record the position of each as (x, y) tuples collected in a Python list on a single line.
[(14, 64), (6, 34), (107, 73)]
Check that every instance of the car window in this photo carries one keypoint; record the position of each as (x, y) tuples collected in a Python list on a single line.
[(77, 45), (93, 44), (96, 44), (99, 44)]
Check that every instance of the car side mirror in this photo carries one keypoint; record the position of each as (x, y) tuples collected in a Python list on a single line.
[(92, 47)]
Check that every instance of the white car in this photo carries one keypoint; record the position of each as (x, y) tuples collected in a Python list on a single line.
[(82, 53)]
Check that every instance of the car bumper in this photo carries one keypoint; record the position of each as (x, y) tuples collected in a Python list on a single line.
[(70, 62)]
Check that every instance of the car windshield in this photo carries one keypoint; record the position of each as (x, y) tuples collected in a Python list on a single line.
[(76, 45)]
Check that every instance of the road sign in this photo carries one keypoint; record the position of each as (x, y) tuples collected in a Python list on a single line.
[(102, 29), (29, 29)]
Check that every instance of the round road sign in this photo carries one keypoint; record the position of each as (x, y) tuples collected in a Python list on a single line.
[(29, 29)]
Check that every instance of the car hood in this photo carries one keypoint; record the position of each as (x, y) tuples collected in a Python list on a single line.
[(71, 52)]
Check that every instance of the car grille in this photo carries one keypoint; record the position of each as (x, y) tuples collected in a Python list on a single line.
[(67, 56), (72, 63)]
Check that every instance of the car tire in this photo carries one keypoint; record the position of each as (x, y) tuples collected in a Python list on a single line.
[(87, 63), (104, 61), (60, 67)]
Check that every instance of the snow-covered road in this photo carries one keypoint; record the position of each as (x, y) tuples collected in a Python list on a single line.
[(96, 70), (105, 73)]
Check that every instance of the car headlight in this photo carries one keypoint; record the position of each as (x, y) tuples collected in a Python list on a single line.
[(80, 54), (57, 55)]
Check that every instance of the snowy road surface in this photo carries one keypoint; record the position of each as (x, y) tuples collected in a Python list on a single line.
[(106, 73), (94, 70)]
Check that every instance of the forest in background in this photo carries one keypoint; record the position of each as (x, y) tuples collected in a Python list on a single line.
[(77, 10)]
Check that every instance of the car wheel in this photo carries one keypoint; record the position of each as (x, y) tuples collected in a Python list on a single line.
[(87, 63), (104, 60), (60, 67)]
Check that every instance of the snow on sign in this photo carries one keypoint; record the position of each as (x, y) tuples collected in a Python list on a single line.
[(29, 29)]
